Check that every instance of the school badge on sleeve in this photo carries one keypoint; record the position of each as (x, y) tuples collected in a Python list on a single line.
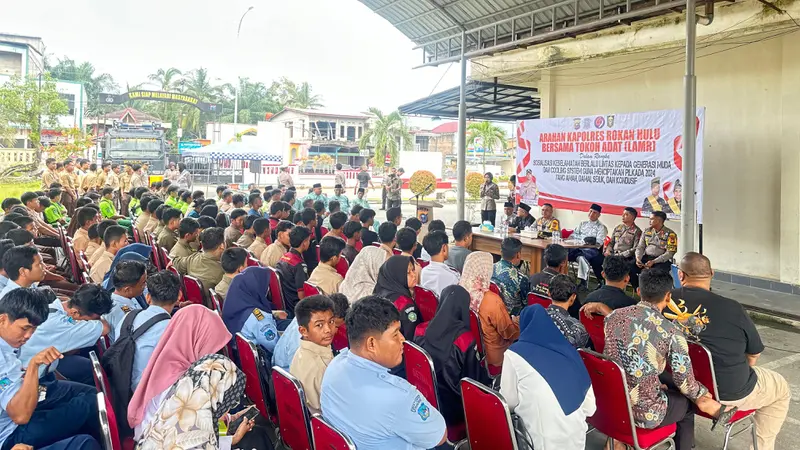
[(424, 411)]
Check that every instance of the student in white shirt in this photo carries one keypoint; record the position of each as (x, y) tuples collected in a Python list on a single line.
[(545, 382), (437, 275)]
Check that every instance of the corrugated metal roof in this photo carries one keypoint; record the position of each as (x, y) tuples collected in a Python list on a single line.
[(499, 25), (484, 101)]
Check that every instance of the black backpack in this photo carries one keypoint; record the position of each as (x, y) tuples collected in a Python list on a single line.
[(118, 365)]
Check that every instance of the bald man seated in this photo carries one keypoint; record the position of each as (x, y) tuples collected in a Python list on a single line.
[(735, 346)]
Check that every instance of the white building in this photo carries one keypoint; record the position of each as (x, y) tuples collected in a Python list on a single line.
[(22, 56)]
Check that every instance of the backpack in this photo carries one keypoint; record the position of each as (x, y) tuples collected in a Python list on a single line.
[(118, 365)]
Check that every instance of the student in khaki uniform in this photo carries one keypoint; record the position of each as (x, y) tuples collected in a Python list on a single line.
[(114, 238), (125, 187), (234, 260), (280, 246), (86, 217), (657, 245), (316, 322), (69, 183), (136, 177), (89, 181), (188, 231), (262, 232), (144, 217), (95, 243), (102, 175), (205, 265), (248, 236), (168, 237), (154, 221), (325, 275), (49, 176), (236, 228), (102, 226)]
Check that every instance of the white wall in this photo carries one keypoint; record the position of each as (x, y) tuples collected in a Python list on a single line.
[(414, 161)]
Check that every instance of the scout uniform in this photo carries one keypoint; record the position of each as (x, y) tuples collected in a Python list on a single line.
[(137, 180), (101, 266), (549, 225), (258, 246), (80, 240), (376, 409), (294, 273), (202, 266), (115, 317), (181, 248), (658, 246), (261, 327), (70, 183), (100, 181), (167, 238), (273, 253), (222, 287), (62, 332), (232, 235), (89, 181), (624, 239), (49, 177)]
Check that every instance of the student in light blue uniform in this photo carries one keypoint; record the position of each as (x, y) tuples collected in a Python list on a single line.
[(63, 410), (287, 346), (163, 292), (361, 398), (129, 282), (71, 325), (24, 268), (5, 245), (248, 310)]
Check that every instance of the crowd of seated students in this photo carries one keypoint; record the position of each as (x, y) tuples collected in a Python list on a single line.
[(359, 389)]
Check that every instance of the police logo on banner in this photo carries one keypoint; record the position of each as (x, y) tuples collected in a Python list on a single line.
[(599, 121), (577, 124), (610, 121)]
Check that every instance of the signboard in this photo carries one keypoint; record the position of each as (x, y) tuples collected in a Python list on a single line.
[(615, 160), (188, 144), (387, 159), (161, 96)]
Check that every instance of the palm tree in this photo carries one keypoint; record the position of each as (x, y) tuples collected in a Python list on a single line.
[(198, 84), (488, 136), (167, 80), (255, 101), (69, 70), (303, 98), (385, 135)]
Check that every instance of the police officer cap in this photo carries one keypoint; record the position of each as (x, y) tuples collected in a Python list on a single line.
[(338, 186), (317, 185), (525, 207), (268, 188), (596, 207), (508, 205)]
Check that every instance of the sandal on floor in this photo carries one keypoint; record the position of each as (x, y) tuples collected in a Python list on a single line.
[(723, 415)]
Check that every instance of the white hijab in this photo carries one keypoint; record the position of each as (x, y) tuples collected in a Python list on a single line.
[(362, 276)]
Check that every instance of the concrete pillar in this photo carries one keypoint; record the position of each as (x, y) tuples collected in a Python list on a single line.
[(547, 91), (790, 163)]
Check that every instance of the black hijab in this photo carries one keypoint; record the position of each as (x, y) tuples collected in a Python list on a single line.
[(450, 322), (393, 278)]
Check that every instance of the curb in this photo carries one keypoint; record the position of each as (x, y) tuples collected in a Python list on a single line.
[(772, 316)]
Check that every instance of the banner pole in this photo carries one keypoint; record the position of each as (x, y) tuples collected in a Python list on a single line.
[(461, 166), (686, 243)]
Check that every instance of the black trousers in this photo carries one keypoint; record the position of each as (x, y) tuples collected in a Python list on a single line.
[(383, 198), (636, 270), (394, 203), (680, 411), (593, 256), (491, 216)]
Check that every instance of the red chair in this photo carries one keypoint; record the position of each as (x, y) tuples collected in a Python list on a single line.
[(73, 263), (293, 417), (427, 302), (100, 378), (614, 417), (255, 387), (359, 245), (340, 340), (327, 437), (136, 236), (310, 289), (253, 262), (536, 299), (342, 266), (422, 263), (108, 426), (703, 367), (488, 418), (565, 234), (193, 290), (396, 251), (421, 373), (165, 259), (496, 289), (323, 231), (155, 255), (216, 300), (477, 332), (84, 262), (275, 293), (85, 278), (594, 325)]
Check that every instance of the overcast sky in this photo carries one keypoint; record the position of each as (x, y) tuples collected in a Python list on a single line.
[(352, 57)]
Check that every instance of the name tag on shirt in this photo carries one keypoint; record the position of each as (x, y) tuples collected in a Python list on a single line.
[(5, 383), (42, 393)]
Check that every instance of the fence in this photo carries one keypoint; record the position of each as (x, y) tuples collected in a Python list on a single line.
[(13, 156)]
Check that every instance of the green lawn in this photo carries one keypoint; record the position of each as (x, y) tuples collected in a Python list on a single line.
[(16, 189)]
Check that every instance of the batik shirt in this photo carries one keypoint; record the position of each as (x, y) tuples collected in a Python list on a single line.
[(624, 239), (570, 327), (513, 284), (642, 341)]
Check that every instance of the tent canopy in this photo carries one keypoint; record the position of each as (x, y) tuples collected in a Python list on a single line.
[(235, 151)]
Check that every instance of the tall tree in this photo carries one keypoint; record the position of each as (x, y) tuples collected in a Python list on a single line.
[(385, 136), (255, 101), (30, 105), (166, 79), (489, 136), (69, 70), (199, 84), (303, 98)]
